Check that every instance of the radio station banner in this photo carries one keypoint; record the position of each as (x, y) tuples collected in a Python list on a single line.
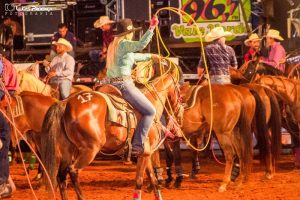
[(209, 14)]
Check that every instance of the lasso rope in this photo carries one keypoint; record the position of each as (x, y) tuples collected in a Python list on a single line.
[(159, 41), (18, 132)]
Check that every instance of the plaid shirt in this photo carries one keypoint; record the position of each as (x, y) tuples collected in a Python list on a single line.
[(219, 57)]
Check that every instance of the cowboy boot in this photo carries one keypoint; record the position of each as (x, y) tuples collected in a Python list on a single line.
[(297, 157)]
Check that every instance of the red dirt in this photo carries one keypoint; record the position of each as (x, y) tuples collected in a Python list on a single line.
[(113, 180)]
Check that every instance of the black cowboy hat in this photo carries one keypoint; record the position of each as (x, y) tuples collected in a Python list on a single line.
[(125, 26)]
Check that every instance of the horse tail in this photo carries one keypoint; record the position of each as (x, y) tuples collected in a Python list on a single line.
[(245, 140), (275, 125), (261, 127), (51, 128)]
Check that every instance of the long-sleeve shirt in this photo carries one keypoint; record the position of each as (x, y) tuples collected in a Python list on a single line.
[(250, 55), (219, 57), (63, 66), (126, 56), (276, 56)]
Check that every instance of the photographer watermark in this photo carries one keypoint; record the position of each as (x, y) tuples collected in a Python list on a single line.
[(16, 9)]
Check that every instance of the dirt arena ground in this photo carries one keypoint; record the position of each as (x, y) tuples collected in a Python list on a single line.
[(112, 180)]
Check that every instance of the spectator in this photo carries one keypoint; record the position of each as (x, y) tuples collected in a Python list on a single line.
[(64, 33)]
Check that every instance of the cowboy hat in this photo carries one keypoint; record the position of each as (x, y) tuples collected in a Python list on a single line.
[(102, 21), (64, 42), (253, 37), (272, 33), (124, 27), (216, 33)]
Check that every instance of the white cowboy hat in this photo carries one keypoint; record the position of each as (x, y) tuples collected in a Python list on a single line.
[(272, 33), (102, 21), (64, 42), (216, 33), (252, 37)]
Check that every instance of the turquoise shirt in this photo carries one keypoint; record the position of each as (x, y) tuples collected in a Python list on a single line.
[(126, 56)]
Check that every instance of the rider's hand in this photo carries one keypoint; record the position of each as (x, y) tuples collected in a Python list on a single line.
[(51, 74), (46, 63), (154, 22)]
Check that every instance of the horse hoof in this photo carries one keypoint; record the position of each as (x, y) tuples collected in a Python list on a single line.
[(168, 182), (222, 188), (177, 183), (149, 188), (268, 176), (38, 177)]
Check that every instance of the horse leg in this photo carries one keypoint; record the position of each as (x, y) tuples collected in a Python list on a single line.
[(74, 178), (85, 157), (228, 149), (169, 162), (153, 180), (140, 171), (62, 181), (195, 159), (40, 170), (177, 162), (157, 170)]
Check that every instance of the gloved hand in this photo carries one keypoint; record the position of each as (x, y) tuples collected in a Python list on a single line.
[(154, 22)]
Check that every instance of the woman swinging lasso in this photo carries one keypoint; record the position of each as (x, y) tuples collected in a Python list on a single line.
[(120, 59)]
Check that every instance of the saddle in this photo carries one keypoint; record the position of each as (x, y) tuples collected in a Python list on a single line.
[(120, 111)]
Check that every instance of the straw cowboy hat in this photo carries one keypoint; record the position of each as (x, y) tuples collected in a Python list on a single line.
[(253, 37), (102, 21), (272, 33), (64, 42), (216, 33), (124, 27)]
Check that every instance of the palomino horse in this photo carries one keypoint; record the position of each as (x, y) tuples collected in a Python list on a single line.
[(233, 111), (76, 130), (29, 82)]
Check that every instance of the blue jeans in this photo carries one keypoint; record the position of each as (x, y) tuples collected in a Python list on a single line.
[(94, 55), (64, 86), (139, 101), (5, 138)]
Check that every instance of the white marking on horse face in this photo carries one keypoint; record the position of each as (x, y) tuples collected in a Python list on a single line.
[(85, 97)]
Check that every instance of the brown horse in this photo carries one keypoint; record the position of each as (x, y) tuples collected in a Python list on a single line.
[(287, 90), (76, 130), (234, 108)]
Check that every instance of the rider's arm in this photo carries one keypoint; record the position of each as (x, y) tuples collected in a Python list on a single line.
[(142, 56), (233, 60), (127, 46)]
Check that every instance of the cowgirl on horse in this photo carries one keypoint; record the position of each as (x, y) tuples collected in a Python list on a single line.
[(120, 59)]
